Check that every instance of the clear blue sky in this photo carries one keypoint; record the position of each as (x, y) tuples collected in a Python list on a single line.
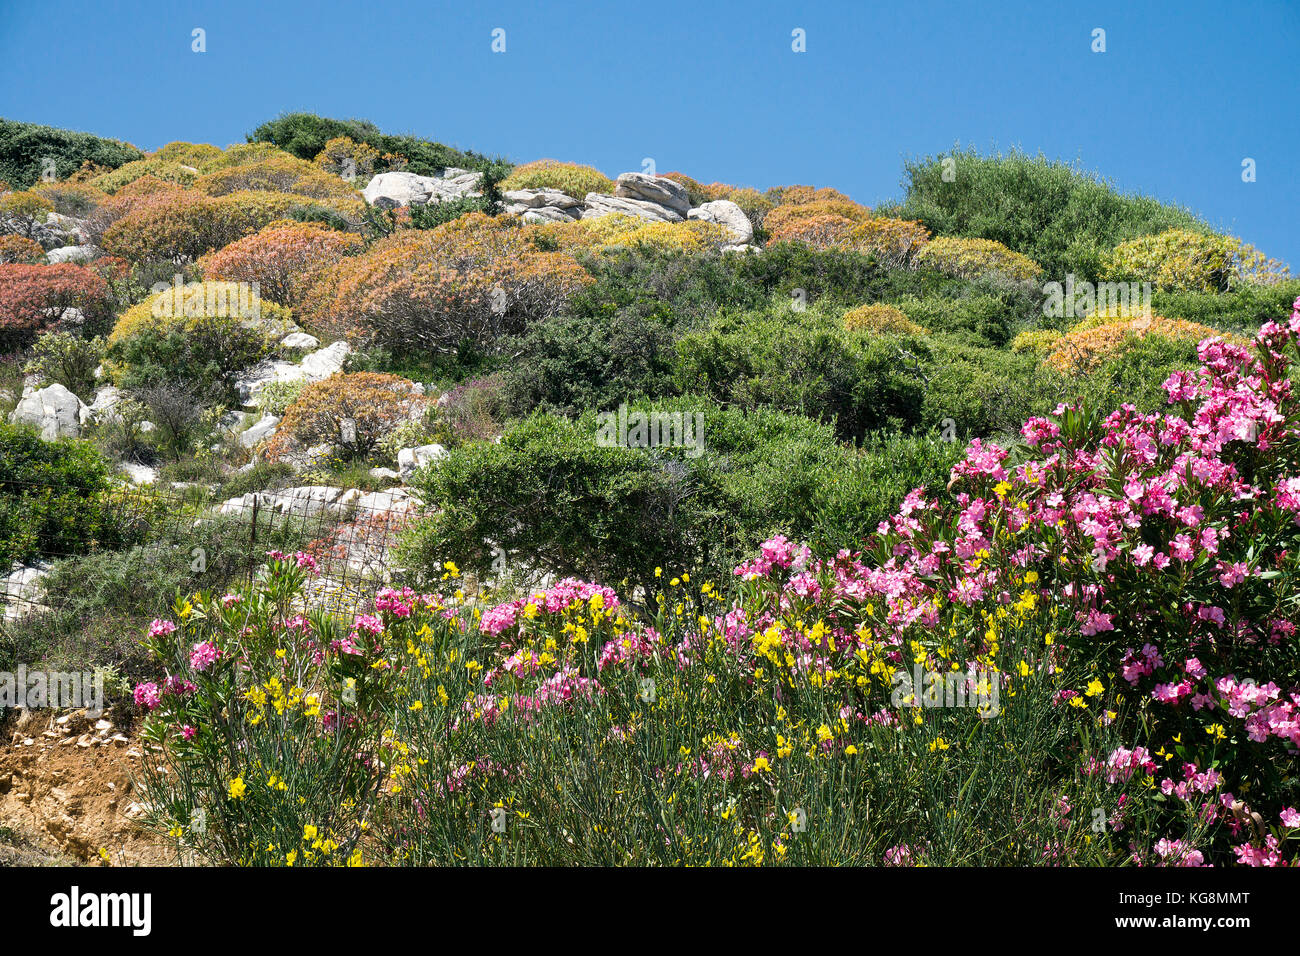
[(1184, 91)]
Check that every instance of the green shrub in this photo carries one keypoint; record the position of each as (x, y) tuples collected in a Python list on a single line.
[(25, 146), (550, 496), (67, 359), (54, 497), (1052, 212), (1241, 311), (305, 135), (804, 363)]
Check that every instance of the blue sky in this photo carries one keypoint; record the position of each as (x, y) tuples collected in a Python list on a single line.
[(1184, 92)]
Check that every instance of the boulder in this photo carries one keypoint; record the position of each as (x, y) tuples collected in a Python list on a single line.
[(106, 399), (726, 213), (300, 340), (388, 190), (251, 383), (259, 431), (303, 501), (409, 460), (599, 204), (72, 254), (387, 473), (20, 589), (325, 362), (544, 214), (537, 198), (138, 474), (653, 189), (54, 410)]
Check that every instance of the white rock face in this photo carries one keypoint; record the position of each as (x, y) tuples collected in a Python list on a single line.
[(106, 399), (726, 213), (409, 460), (383, 473), (388, 190), (304, 500), (536, 198), (259, 431), (599, 204), (54, 410), (72, 254), (20, 588), (325, 362), (300, 340), (653, 189), (543, 214), (138, 474)]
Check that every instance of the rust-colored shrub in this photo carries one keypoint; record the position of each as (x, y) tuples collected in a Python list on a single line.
[(19, 250), (784, 215), (352, 411), (470, 280), (181, 225), (283, 258), (800, 195), (820, 232), (35, 298)]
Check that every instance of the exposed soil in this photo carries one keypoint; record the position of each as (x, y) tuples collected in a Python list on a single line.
[(66, 792)]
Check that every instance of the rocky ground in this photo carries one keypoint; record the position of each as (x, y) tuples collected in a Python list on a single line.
[(66, 793)]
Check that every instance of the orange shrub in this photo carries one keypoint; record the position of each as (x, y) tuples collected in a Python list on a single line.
[(784, 215), (1089, 345), (352, 411), (820, 232), (173, 225), (282, 258), (20, 250), (800, 195), (470, 280)]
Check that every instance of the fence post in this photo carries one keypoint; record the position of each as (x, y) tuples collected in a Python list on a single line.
[(252, 537)]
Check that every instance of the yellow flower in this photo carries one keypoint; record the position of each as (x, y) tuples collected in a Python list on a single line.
[(237, 788), (309, 833), (1095, 688), (938, 744), (760, 765)]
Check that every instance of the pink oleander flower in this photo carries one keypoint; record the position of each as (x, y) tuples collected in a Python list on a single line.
[(204, 655), (160, 628), (147, 695)]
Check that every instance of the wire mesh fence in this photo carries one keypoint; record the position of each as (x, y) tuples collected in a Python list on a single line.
[(61, 544)]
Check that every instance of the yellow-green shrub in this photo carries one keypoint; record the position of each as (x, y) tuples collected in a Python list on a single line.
[(619, 231), (882, 319), (1035, 341), (276, 174), (569, 178), (1181, 260), (165, 169), (972, 258), (201, 156)]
